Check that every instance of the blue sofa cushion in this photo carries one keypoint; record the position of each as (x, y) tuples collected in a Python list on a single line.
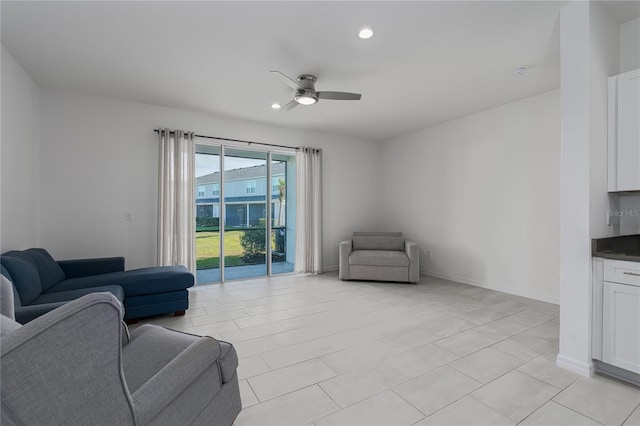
[(135, 282), (62, 296), (50, 272), (24, 275), (84, 267), (24, 314)]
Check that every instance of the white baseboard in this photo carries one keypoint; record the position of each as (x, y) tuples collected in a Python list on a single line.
[(516, 292), (580, 367), (331, 268)]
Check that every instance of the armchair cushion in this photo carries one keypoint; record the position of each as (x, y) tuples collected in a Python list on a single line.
[(378, 242), (378, 258), (150, 349)]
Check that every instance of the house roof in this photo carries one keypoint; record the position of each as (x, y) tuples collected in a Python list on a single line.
[(244, 173)]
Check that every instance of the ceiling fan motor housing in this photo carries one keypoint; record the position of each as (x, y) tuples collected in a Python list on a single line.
[(307, 81)]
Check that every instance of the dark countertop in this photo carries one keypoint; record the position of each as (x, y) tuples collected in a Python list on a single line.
[(625, 248)]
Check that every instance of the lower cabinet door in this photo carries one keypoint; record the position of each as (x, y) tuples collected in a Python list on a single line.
[(621, 326)]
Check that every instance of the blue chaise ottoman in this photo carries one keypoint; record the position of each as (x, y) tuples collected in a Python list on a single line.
[(42, 284)]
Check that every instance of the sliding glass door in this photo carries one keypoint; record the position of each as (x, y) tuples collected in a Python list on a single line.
[(245, 196), (207, 186), (282, 214), (245, 224)]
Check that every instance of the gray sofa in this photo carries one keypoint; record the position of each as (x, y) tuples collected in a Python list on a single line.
[(77, 365), (379, 256)]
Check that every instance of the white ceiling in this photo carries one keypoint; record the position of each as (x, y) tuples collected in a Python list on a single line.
[(428, 62)]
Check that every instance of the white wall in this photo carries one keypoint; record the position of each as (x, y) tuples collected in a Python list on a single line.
[(101, 161), (589, 39), (19, 208), (482, 193), (630, 45), (604, 60)]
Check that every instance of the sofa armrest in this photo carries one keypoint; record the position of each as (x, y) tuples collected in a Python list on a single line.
[(7, 305), (413, 252), (175, 377), (345, 250), (85, 267)]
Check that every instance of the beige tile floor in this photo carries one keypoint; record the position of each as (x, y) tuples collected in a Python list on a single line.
[(316, 350)]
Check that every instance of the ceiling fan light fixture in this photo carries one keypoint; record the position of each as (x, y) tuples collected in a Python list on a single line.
[(306, 99), (365, 33)]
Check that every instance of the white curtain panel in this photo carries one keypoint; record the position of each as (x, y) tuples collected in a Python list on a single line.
[(176, 199), (309, 211)]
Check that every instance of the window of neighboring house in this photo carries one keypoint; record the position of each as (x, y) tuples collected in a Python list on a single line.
[(204, 210), (200, 191), (251, 187), (275, 185), (216, 189)]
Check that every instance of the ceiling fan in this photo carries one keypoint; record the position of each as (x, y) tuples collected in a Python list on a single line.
[(306, 93)]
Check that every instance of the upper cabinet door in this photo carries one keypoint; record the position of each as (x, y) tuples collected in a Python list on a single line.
[(624, 132)]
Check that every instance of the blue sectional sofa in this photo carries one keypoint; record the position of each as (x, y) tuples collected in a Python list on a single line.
[(41, 284)]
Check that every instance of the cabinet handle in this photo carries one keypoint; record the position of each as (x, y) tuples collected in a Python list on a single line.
[(632, 273)]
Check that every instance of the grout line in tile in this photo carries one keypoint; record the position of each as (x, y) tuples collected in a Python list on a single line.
[(630, 414), (564, 406)]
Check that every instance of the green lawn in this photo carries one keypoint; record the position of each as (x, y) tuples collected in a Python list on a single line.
[(208, 249)]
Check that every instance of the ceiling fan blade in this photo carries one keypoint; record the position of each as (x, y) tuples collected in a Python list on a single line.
[(286, 80), (289, 106), (339, 96)]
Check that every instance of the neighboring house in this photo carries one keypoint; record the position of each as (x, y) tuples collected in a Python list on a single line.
[(245, 192)]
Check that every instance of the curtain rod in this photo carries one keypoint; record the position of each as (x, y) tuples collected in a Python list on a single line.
[(236, 140)]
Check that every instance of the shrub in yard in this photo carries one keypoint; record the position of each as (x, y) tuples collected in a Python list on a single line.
[(253, 243)]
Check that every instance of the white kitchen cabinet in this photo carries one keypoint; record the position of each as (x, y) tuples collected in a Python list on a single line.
[(621, 326), (624, 132), (616, 317)]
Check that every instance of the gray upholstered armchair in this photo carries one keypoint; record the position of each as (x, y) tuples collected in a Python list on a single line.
[(379, 256), (76, 365)]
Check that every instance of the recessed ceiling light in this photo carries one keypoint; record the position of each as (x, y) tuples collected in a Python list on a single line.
[(276, 106), (365, 33)]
